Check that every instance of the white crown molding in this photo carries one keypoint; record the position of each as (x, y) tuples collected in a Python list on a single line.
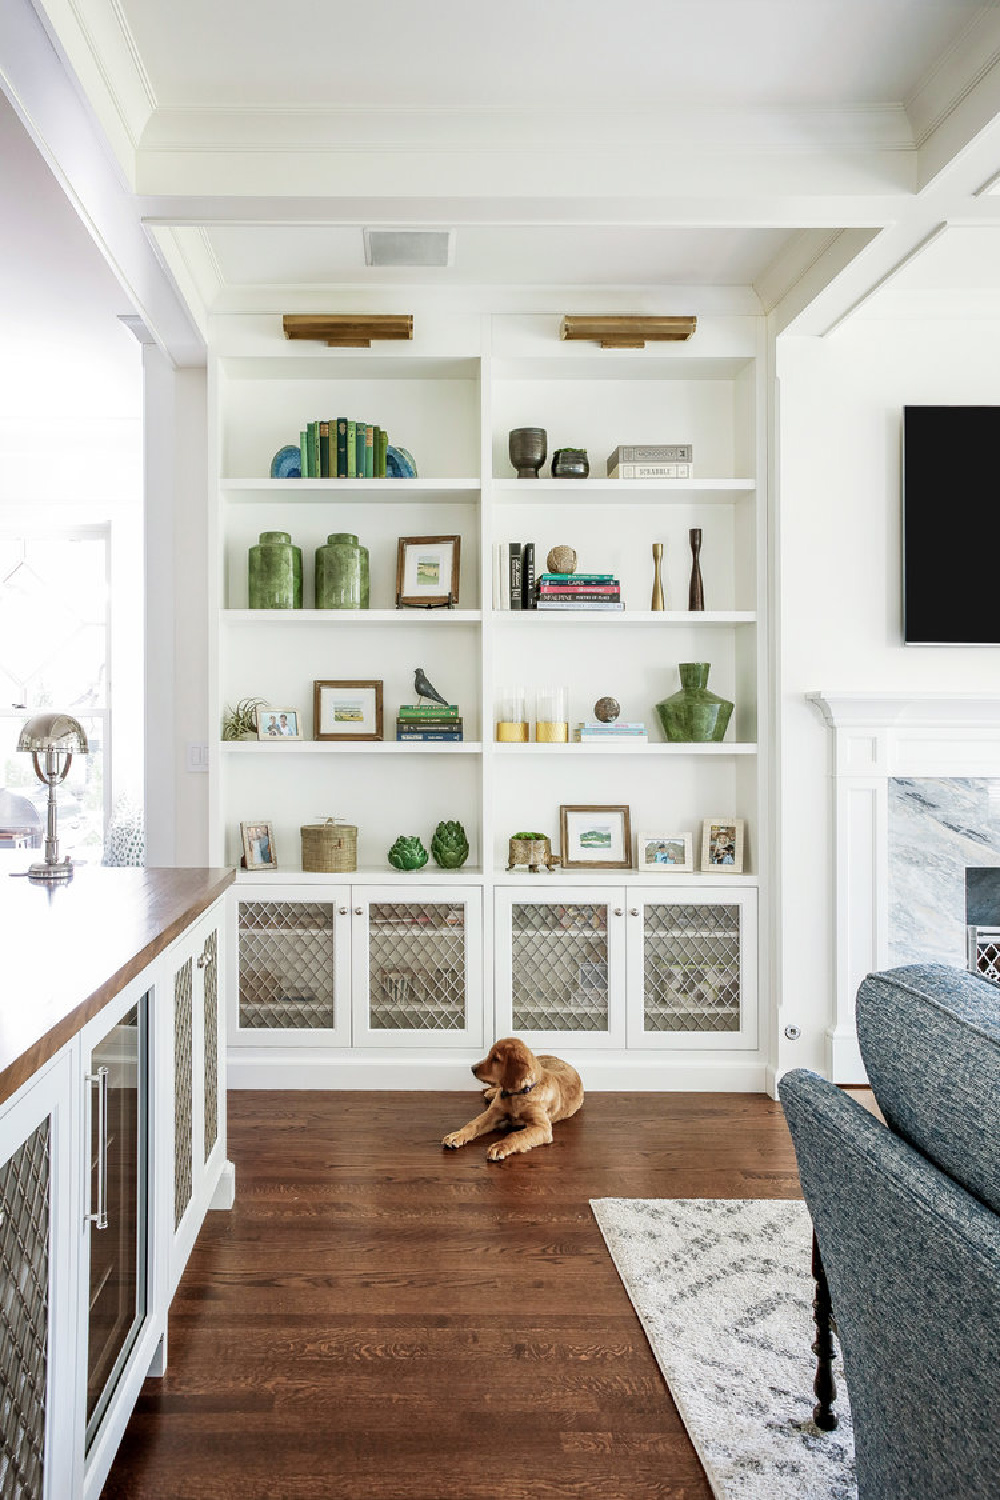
[(792, 264), (99, 47), (971, 56)]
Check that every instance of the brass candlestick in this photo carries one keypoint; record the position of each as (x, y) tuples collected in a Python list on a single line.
[(657, 602)]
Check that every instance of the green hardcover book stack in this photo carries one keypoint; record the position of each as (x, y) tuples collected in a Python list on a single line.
[(343, 449)]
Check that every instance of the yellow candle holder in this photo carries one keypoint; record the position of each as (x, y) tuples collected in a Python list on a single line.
[(548, 733), (552, 716), (512, 732)]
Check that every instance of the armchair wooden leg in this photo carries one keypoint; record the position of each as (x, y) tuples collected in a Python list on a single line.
[(824, 1386)]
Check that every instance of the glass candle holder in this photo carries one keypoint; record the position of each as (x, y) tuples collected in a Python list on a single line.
[(512, 722), (552, 715)]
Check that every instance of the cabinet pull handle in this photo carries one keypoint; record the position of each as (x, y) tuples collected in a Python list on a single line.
[(633, 911), (359, 911), (618, 911), (100, 1218)]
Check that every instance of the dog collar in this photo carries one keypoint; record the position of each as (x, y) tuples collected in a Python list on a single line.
[(513, 1093)]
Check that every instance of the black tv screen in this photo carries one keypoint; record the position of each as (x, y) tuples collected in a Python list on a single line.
[(951, 525)]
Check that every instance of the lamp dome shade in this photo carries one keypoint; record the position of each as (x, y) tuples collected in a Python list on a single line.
[(53, 732)]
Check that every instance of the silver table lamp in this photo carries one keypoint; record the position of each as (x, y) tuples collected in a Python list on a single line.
[(53, 740)]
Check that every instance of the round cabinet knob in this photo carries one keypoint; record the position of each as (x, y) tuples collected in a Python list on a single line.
[(342, 910), (359, 911), (202, 960), (633, 911), (619, 912)]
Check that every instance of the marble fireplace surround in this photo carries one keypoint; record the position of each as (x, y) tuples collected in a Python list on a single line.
[(877, 737)]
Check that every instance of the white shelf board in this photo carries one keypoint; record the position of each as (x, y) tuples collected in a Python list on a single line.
[(352, 617), (364, 747), (622, 491), (696, 618), (372, 491), (573, 747), (369, 875), (558, 876)]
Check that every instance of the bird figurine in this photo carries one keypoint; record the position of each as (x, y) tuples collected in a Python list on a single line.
[(424, 688)]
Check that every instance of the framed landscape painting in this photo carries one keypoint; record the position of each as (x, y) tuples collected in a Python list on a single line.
[(595, 838), (347, 710)]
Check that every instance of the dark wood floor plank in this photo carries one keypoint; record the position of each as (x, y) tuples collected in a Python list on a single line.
[(379, 1317)]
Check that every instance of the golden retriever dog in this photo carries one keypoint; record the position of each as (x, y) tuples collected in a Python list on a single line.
[(526, 1094)]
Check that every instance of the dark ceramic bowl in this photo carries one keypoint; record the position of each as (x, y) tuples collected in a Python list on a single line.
[(527, 447), (570, 463)]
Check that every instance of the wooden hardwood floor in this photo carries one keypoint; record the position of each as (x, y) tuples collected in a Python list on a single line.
[(379, 1317)]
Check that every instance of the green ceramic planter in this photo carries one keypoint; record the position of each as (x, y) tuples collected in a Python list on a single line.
[(275, 572), (694, 715), (407, 853), (342, 575), (450, 846)]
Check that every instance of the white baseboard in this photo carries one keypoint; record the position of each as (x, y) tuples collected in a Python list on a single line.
[(843, 1057), (225, 1189), (643, 1074)]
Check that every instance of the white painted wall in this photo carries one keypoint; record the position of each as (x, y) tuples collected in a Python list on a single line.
[(838, 547)]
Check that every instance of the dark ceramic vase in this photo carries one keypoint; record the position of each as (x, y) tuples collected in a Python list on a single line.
[(694, 714), (274, 575), (570, 463), (527, 447), (342, 573)]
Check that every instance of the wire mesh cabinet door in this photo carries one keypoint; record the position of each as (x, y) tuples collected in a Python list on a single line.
[(292, 966), (692, 968), (560, 966), (40, 1450), (418, 966)]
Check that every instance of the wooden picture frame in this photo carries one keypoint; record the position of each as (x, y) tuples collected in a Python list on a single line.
[(341, 705), (428, 569), (659, 853), (722, 845), (257, 839), (588, 831), (278, 724)]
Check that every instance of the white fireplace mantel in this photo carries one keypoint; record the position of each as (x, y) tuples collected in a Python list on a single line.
[(878, 736)]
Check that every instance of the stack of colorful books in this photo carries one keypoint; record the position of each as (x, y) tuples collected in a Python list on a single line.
[(600, 591), (423, 722), (593, 732)]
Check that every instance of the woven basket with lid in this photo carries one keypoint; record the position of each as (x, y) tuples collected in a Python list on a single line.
[(330, 847)]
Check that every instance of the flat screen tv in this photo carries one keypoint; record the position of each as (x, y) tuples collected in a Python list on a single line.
[(951, 525)]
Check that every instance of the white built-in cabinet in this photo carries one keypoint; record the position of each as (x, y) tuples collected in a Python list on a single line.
[(110, 1157), (451, 397)]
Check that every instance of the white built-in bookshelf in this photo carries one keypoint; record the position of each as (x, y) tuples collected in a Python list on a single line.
[(451, 397)]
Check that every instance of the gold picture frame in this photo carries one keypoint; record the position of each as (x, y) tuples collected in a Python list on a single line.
[(347, 710)]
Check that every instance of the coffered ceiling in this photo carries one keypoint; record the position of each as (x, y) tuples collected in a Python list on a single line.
[(794, 154)]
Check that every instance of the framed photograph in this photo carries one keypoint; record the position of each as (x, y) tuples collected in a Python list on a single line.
[(664, 851), (347, 710), (427, 571), (722, 844), (278, 724), (595, 838), (258, 846)]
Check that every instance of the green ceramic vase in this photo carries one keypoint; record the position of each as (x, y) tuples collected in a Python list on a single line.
[(450, 846), (408, 853), (694, 714), (275, 572), (342, 576)]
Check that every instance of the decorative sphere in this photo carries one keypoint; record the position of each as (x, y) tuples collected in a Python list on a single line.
[(561, 560), (607, 709)]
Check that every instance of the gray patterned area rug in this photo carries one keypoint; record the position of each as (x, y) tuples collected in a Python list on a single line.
[(723, 1289)]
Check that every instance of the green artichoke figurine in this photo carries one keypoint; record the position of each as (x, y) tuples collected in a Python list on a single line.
[(408, 853), (449, 846)]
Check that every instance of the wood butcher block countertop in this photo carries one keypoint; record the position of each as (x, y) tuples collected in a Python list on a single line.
[(67, 950)]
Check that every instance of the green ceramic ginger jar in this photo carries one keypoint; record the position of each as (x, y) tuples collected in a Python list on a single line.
[(450, 846), (275, 572), (694, 714), (407, 853), (342, 576)]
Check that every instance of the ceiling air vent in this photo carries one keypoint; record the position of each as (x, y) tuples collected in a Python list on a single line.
[(409, 247)]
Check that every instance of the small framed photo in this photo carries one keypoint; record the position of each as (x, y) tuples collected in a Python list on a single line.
[(258, 846), (595, 838), (278, 724), (347, 710), (427, 571), (722, 844), (664, 851)]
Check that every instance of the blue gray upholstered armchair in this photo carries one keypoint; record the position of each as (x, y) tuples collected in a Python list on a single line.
[(908, 1223)]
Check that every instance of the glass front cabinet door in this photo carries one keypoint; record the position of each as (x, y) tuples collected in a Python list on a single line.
[(560, 965), (692, 968), (417, 962)]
